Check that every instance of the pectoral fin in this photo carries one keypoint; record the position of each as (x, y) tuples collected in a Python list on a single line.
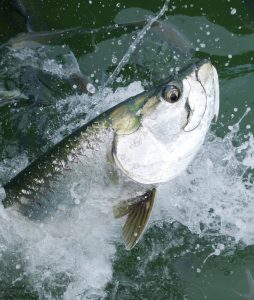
[(138, 216)]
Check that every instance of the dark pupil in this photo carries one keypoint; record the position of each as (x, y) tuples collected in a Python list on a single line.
[(170, 94), (173, 97)]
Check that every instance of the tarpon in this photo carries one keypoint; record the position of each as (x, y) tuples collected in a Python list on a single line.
[(125, 153)]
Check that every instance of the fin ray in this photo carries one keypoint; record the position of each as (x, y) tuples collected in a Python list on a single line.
[(138, 213)]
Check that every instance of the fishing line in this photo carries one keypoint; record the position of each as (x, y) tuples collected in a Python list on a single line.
[(133, 45)]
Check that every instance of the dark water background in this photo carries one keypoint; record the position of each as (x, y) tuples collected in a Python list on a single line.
[(183, 255)]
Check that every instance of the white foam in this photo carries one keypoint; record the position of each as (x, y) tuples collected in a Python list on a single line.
[(74, 252), (9, 167)]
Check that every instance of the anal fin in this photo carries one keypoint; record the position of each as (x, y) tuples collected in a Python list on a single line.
[(138, 211)]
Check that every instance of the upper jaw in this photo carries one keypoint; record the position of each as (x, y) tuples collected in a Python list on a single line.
[(203, 99), (207, 75)]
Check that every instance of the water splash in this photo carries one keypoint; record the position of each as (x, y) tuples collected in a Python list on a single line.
[(80, 109)]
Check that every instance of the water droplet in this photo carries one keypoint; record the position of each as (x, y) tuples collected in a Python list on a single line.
[(90, 88), (114, 59), (233, 11), (216, 252)]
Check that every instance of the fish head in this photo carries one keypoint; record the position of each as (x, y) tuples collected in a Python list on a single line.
[(169, 128)]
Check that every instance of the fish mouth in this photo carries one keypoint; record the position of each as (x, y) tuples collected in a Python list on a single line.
[(203, 77)]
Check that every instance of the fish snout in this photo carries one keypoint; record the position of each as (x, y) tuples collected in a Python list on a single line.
[(208, 78), (203, 99)]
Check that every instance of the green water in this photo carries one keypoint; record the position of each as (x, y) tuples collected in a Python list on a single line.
[(199, 249)]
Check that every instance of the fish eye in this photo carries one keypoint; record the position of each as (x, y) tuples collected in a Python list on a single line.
[(170, 93)]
